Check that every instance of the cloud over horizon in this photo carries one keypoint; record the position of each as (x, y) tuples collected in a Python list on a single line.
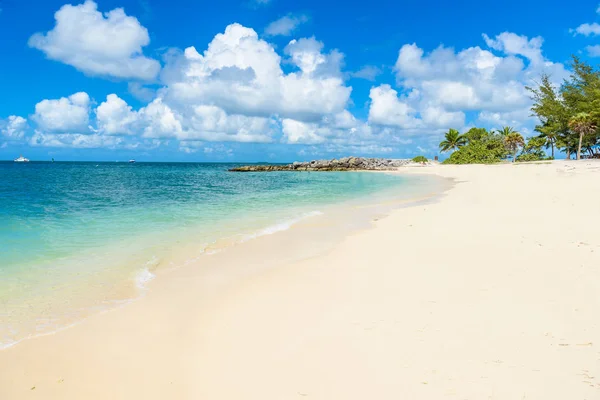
[(242, 88)]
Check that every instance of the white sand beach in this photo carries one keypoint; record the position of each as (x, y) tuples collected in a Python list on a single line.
[(490, 292)]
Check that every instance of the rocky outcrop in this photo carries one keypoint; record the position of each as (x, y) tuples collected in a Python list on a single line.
[(342, 164)]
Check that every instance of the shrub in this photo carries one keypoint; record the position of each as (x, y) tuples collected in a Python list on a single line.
[(532, 151), (420, 159), (488, 149), (536, 156)]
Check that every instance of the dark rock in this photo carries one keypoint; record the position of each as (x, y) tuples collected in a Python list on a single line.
[(342, 164)]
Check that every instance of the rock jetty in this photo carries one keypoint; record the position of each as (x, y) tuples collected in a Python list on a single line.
[(342, 164)]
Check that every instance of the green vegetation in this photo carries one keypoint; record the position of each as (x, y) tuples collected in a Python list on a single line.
[(570, 115), (533, 150), (481, 147), (453, 141), (513, 142), (569, 121), (420, 159)]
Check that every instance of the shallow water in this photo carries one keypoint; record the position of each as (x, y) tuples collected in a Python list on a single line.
[(80, 237)]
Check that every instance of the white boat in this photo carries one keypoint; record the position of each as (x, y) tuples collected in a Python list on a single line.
[(131, 161), (21, 159)]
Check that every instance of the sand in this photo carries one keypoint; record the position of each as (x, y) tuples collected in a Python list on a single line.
[(491, 292)]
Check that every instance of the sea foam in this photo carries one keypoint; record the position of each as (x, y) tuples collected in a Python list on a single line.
[(281, 226), (145, 275)]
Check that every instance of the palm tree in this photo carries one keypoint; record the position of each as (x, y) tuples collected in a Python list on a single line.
[(513, 141), (507, 130), (550, 138), (583, 125), (453, 141)]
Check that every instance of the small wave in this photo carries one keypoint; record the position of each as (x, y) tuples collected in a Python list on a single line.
[(145, 275), (281, 226)]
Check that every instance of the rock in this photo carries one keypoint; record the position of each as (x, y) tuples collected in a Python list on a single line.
[(342, 164)]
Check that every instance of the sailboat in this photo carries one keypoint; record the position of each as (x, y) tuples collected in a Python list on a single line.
[(21, 159)]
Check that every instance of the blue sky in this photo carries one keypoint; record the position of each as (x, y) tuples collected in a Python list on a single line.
[(273, 80)]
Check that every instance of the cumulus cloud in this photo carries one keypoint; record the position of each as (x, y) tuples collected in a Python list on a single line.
[(592, 29), (236, 90), (284, 26), (342, 133), (108, 44), (115, 116), (242, 74), (67, 114), (141, 92), (13, 128), (387, 109), (516, 45), (440, 87)]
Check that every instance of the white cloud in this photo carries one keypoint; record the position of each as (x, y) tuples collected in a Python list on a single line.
[(296, 132), (587, 29), (13, 128), (160, 120), (435, 116), (513, 44), (141, 92), (211, 123), (514, 119), (368, 72), (440, 87), (387, 109), (67, 114), (593, 51), (343, 133), (284, 26), (242, 74), (115, 116), (108, 44), (237, 91), (74, 140)]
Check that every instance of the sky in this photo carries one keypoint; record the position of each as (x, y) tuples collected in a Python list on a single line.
[(274, 80)]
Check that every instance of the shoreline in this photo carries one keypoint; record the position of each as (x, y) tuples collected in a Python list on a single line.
[(489, 291), (187, 255)]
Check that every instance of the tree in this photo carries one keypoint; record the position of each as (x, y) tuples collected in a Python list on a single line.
[(507, 130), (483, 147), (453, 141), (532, 151), (581, 92), (582, 124), (551, 110), (476, 134), (513, 142), (549, 137), (581, 95)]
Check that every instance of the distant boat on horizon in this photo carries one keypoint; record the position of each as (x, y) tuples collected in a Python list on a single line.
[(21, 159), (131, 161)]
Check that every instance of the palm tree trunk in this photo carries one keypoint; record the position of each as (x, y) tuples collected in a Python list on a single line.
[(552, 149), (515, 156), (579, 148), (568, 153)]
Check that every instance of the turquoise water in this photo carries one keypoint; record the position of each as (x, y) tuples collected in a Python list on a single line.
[(70, 230)]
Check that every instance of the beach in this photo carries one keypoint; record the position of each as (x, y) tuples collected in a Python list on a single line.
[(489, 290)]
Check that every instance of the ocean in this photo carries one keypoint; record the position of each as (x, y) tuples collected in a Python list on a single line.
[(80, 237)]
